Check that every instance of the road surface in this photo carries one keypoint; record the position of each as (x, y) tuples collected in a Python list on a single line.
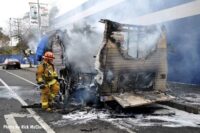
[(18, 87)]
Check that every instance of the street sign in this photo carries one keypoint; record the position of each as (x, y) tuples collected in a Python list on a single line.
[(43, 14)]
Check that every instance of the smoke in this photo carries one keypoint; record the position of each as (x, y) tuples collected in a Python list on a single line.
[(84, 37), (31, 37), (92, 9), (124, 11), (52, 14), (85, 95), (30, 33), (144, 42), (84, 46), (81, 41), (32, 44)]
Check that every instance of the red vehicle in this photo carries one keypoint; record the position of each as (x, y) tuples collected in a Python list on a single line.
[(11, 63)]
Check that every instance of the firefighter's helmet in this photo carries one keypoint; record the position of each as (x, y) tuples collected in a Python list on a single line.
[(48, 55)]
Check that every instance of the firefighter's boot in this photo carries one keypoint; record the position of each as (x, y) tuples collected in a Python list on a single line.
[(45, 98)]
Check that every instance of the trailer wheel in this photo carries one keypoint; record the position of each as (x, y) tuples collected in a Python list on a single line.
[(65, 92)]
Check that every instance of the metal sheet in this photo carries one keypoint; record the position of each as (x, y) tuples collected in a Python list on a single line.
[(133, 99)]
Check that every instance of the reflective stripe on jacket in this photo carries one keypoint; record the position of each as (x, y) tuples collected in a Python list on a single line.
[(46, 73)]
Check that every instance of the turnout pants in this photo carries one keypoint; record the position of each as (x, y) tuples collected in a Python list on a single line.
[(48, 93)]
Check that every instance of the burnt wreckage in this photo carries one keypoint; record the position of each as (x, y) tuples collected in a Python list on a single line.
[(131, 67), (132, 64)]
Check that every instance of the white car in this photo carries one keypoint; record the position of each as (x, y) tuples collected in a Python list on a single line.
[(11, 63)]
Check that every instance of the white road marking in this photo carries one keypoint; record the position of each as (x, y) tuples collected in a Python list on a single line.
[(21, 78), (12, 124), (21, 115), (114, 123), (43, 124)]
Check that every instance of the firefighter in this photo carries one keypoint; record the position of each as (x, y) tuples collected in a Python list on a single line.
[(46, 77)]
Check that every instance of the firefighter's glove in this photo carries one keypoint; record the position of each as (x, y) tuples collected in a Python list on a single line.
[(56, 77), (41, 85)]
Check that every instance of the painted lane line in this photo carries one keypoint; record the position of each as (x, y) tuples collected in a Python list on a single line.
[(14, 127), (12, 124), (21, 78), (43, 124), (114, 123), (21, 115)]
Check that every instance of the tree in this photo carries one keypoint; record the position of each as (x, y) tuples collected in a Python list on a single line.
[(4, 39)]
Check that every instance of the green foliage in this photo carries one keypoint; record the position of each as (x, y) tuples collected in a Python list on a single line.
[(4, 39), (21, 45), (6, 49), (13, 50)]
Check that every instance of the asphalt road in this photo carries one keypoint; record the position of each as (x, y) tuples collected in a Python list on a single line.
[(18, 87)]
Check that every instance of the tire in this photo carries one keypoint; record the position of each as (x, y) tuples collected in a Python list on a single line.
[(66, 99)]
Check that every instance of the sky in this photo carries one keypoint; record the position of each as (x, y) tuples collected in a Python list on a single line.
[(12, 8), (17, 8)]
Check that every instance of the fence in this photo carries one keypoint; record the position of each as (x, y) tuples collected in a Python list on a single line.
[(21, 58)]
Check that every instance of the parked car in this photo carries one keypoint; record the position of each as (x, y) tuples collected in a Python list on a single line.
[(11, 63)]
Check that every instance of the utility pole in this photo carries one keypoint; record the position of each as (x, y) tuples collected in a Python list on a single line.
[(10, 29), (17, 24), (39, 19), (15, 29), (18, 29)]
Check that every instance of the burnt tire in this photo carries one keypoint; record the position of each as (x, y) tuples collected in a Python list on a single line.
[(66, 98), (65, 93)]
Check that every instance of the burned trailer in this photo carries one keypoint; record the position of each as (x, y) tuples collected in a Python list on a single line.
[(75, 80), (53, 41), (56, 45), (132, 64)]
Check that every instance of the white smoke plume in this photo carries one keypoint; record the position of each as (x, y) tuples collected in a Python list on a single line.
[(82, 42), (86, 35), (127, 11)]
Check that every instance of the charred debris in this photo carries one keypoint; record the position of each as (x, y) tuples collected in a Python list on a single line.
[(130, 67)]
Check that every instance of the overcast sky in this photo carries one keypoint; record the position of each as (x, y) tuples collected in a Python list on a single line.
[(17, 8), (12, 8)]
